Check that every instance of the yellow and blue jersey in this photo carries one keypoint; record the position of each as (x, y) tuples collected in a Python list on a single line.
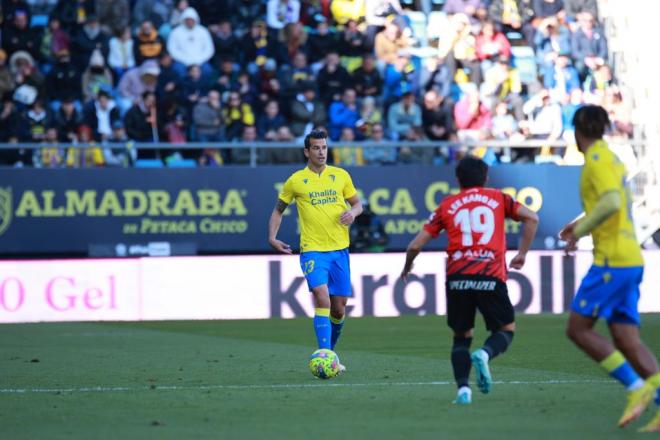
[(615, 243), (320, 200)]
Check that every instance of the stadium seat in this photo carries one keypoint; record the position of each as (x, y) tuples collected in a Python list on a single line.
[(524, 60), (148, 163), (39, 21), (182, 163), (417, 22)]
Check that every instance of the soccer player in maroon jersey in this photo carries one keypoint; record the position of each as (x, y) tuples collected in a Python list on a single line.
[(476, 270)]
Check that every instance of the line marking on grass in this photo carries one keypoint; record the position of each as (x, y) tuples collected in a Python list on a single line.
[(108, 389)]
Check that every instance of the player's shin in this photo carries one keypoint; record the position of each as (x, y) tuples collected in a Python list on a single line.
[(497, 343), (337, 324), (620, 369), (460, 360), (322, 327)]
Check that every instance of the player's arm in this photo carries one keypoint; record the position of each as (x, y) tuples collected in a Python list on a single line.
[(530, 221), (274, 226), (348, 217), (414, 248), (608, 204)]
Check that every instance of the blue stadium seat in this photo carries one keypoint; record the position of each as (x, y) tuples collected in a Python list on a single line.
[(182, 163), (148, 163)]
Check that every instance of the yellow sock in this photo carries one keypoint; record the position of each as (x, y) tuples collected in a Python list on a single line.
[(654, 380), (321, 311)]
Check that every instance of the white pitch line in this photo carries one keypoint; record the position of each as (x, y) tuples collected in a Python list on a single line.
[(101, 389)]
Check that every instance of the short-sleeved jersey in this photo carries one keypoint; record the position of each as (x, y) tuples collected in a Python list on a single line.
[(474, 220), (320, 200), (615, 243)]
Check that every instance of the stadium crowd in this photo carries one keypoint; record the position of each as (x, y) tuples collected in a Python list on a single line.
[(126, 71)]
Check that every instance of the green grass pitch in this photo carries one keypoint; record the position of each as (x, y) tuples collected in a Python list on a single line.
[(249, 379)]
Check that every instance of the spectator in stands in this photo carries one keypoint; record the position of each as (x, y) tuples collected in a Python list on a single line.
[(245, 13), (376, 15), (300, 73), (154, 11), (148, 45), (588, 45), (551, 39), (282, 155), (474, 9), (436, 76), (191, 43), (306, 111), (379, 155), (353, 41), (332, 79), (344, 11), (370, 115), (279, 13), (389, 43), (294, 37), (37, 119), (513, 16), (257, 47), (574, 7), (473, 119), (597, 82), (343, 155), (135, 83), (86, 40), (193, 87), (270, 122), (169, 82), (84, 157), (96, 77), (568, 108), (490, 45), (67, 120), (52, 155), (400, 77), (227, 76), (505, 126), (9, 9), (121, 56), (53, 41), (437, 117), (114, 15), (502, 83), (367, 79), (73, 13), (562, 79), (457, 47), (208, 120), (100, 115), (241, 156), (620, 112), (119, 156), (6, 80), (343, 114), (547, 8), (236, 115), (404, 119), (142, 123), (10, 127), (63, 80), (176, 17), (321, 42), (25, 72), (545, 123), (227, 46), (20, 36)]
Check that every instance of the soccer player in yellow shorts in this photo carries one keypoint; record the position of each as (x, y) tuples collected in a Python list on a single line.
[(321, 192), (610, 290)]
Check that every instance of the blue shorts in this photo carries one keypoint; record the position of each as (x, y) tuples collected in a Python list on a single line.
[(611, 293), (331, 268)]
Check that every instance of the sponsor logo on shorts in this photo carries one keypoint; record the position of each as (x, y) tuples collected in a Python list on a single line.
[(472, 285)]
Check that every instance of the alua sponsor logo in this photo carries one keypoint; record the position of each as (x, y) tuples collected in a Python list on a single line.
[(6, 209)]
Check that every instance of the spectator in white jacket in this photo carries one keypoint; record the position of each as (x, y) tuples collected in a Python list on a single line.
[(190, 43), (281, 12)]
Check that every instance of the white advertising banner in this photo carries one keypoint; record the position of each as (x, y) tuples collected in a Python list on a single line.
[(259, 287)]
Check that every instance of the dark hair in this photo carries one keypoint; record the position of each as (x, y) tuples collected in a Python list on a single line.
[(471, 171), (591, 121), (315, 134)]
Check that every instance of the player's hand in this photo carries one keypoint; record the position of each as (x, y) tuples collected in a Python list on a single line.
[(568, 235), (518, 262), (405, 272), (347, 218), (280, 246)]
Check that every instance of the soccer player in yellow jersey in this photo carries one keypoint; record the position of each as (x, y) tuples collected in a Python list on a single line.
[(610, 290), (321, 192)]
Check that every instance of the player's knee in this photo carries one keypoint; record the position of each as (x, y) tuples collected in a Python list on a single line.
[(337, 314)]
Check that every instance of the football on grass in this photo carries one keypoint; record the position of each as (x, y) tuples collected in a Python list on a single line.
[(324, 363)]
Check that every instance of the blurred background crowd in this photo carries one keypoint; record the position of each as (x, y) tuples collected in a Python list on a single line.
[(134, 71)]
